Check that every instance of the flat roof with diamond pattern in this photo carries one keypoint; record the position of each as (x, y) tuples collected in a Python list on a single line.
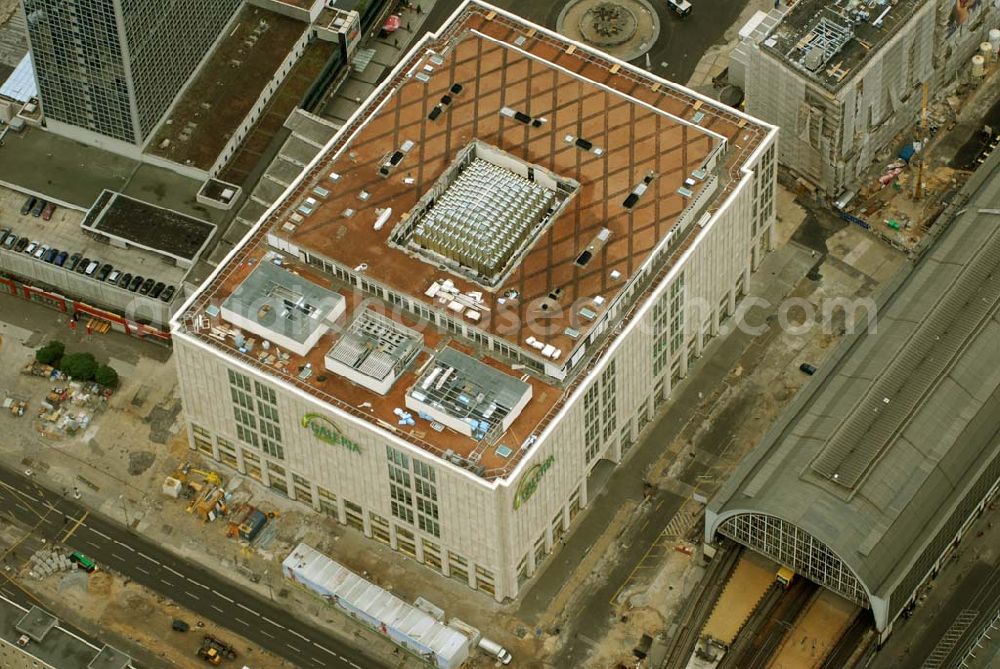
[(633, 127)]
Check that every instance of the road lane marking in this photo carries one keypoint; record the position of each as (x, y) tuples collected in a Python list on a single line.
[(98, 532), (118, 557), (173, 571), (326, 650), (272, 622), (266, 633), (142, 570), (248, 609), (191, 580), (18, 491), (75, 527), (191, 595), (149, 558), (241, 621), (91, 543), (216, 592), (293, 648), (298, 635), (166, 583), (217, 608), (124, 545)]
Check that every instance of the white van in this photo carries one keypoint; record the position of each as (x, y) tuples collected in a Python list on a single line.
[(680, 7)]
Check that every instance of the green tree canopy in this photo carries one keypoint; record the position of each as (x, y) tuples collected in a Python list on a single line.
[(81, 366), (51, 353), (106, 376)]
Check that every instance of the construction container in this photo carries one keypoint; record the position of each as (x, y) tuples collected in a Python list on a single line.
[(172, 487), (252, 526), (406, 625)]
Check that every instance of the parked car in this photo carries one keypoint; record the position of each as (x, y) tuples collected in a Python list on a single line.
[(82, 267), (50, 208), (157, 289), (180, 626), (36, 211), (806, 368), (41, 251), (91, 268), (146, 287), (10, 240), (31, 247), (50, 255), (3, 234), (168, 294), (22, 244), (114, 276), (28, 205), (679, 7), (124, 280), (74, 260), (61, 259), (136, 282), (105, 271)]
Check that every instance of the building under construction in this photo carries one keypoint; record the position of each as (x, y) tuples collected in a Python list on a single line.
[(458, 320), (842, 79)]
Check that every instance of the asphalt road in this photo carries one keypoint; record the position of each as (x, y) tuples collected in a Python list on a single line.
[(973, 604), (63, 520), (681, 44)]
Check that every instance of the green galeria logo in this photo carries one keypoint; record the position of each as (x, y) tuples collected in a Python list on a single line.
[(529, 484), (327, 431)]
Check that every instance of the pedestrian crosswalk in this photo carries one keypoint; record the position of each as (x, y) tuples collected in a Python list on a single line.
[(683, 520), (950, 639)]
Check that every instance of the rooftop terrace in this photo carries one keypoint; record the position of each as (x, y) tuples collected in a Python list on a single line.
[(828, 41), (633, 162)]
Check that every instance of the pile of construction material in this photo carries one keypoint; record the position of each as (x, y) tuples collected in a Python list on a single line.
[(46, 562), (15, 407)]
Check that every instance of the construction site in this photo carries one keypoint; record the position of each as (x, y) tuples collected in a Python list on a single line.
[(203, 494)]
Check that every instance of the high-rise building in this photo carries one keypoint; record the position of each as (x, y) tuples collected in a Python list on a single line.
[(111, 68)]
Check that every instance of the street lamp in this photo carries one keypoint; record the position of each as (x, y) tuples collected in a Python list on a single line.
[(121, 499), (267, 578)]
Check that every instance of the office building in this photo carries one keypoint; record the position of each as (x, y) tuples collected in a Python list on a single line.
[(110, 69)]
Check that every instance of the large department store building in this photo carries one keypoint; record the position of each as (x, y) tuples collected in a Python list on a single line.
[(463, 313)]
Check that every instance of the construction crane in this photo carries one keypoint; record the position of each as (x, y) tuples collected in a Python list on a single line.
[(918, 183), (211, 478)]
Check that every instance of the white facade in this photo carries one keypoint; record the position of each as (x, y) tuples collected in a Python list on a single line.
[(493, 534)]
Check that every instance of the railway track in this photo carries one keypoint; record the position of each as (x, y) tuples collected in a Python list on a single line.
[(845, 653), (767, 626), (699, 606)]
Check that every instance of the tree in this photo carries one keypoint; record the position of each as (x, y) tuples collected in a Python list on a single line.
[(106, 376), (51, 353), (81, 366)]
